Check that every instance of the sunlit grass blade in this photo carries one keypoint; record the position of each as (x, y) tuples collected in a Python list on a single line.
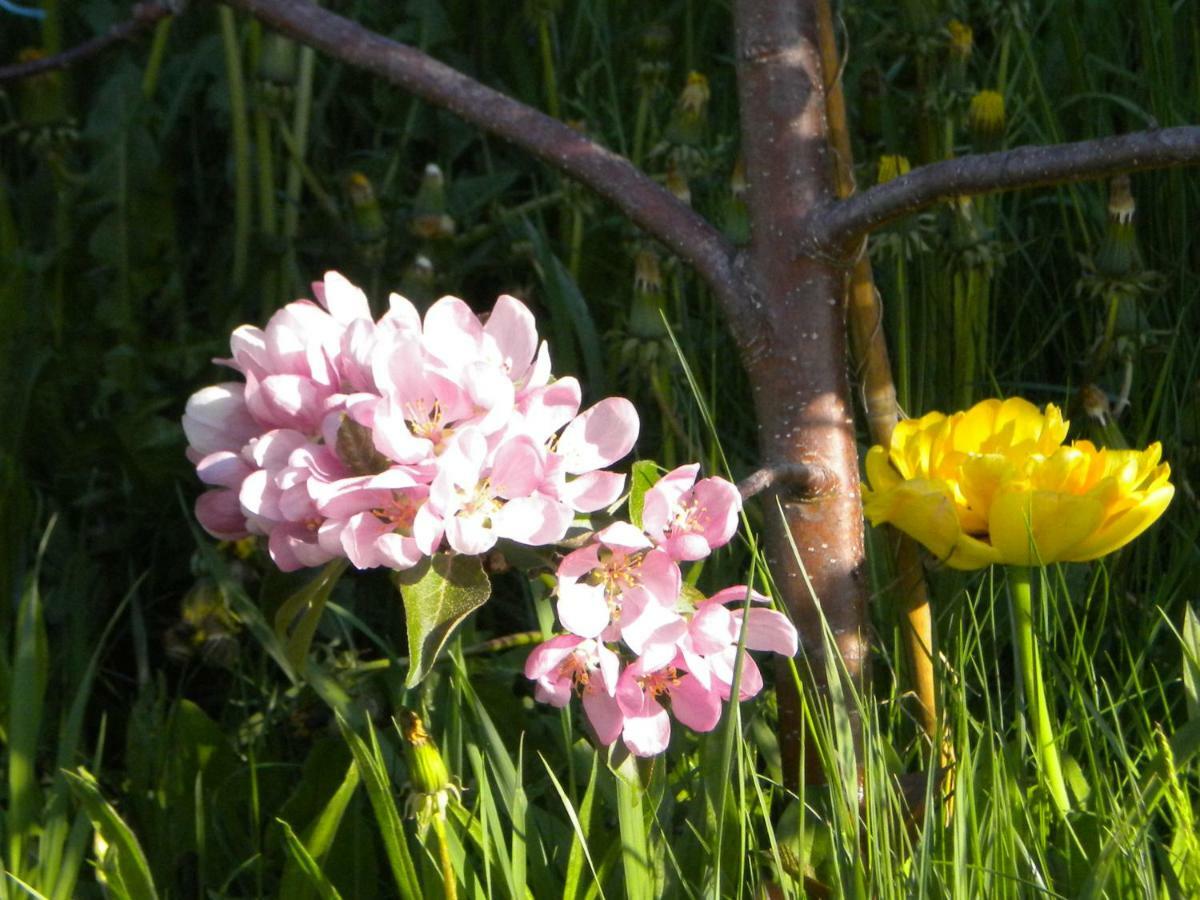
[(580, 823), (635, 841), (391, 830), (130, 867), (305, 867), (318, 837)]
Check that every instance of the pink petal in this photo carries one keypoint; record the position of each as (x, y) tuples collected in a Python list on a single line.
[(583, 609), (517, 468), (647, 625), (513, 331), (647, 734), (693, 706), (686, 546), (223, 468), (662, 499), (344, 301), (452, 331), (712, 628), (547, 409), (659, 575), (599, 436), (604, 715), (592, 490), (217, 418), (220, 514), (469, 534), (769, 630), (624, 536), (401, 315), (535, 521), (738, 593), (719, 502), (548, 655)]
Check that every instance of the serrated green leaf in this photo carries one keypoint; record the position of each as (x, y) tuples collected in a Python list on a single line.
[(643, 476), (131, 865), (438, 595), (297, 619)]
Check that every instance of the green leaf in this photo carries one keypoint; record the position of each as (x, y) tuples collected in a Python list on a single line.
[(370, 766), (130, 866), (28, 690), (303, 862), (297, 619), (1191, 662), (643, 476), (438, 595), (297, 877)]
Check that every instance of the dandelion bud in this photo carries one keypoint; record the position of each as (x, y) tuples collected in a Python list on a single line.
[(430, 220), (690, 116), (1095, 403), (367, 225), (962, 40), (278, 68), (418, 279), (892, 166), (42, 107), (737, 214), (656, 39), (985, 117), (432, 784), (677, 183), (645, 315), (1118, 255)]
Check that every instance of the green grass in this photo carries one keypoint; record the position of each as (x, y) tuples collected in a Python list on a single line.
[(132, 188)]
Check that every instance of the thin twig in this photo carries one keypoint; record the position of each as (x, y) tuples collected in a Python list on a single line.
[(805, 480), (835, 228), (143, 16), (613, 177)]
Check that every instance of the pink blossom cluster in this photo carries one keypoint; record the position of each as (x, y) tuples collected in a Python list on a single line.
[(637, 639), (383, 441)]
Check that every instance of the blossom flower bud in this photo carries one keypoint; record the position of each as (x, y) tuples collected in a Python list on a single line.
[(1118, 255), (690, 116), (962, 39), (433, 787)]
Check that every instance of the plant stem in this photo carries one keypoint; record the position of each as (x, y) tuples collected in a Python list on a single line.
[(1036, 702), (241, 146), (449, 881)]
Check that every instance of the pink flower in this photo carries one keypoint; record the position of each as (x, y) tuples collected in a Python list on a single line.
[(646, 727), (690, 521), (619, 579), (370, 518), (480, 497), (570, 663)]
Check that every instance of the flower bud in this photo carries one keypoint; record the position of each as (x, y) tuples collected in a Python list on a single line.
[(278, 68), (432, 785), (430, 220), (677, 183), (737, 214), (367, 225), (986, 119), (690, 116), (1118, 255), (962, 40), (649, 301)]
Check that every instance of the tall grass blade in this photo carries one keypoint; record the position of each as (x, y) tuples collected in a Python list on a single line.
[(131, 866), (302, 863), (318, 838)]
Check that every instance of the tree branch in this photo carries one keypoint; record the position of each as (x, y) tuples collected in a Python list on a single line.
[(834, 229), (613, 177), (143, 16)]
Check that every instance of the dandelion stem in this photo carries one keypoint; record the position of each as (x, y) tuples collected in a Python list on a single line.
[(449, 881), (1036, 702)]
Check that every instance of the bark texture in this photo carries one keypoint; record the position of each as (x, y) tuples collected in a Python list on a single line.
[(798, 369)]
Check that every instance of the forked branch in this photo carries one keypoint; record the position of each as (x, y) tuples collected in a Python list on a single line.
[(142, 17), (645, 202), (834, 229)]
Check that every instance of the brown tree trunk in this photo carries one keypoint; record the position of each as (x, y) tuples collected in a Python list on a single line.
[(797, 367)]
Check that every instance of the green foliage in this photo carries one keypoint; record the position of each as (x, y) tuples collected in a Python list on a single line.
[(438, 594), (155, 197)]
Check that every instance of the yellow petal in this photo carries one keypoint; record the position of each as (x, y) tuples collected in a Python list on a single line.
[(924, 510), (880, 474), (1123, 528), (972, 553), (1030, 528)]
